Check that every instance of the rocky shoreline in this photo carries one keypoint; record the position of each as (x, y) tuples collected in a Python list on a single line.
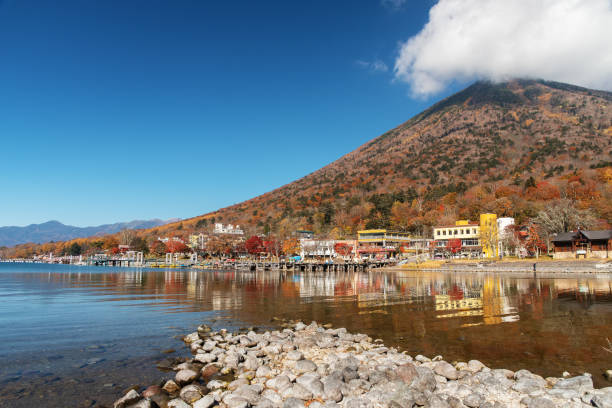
[(318, 366)]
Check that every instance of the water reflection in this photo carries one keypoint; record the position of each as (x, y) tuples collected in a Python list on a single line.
[(481, 298), (545, 323)]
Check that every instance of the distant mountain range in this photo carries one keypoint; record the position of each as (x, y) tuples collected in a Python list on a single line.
[(56, 231)]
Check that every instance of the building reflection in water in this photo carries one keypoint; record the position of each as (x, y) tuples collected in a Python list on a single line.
[(556, 321)]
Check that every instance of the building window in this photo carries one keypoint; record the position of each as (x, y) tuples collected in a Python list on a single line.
[(444, 232), (461, 232), (455, 232), (438, 232)]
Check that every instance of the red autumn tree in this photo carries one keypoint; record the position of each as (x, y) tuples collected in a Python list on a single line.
[(343, 249), (176, 246), (254, 245), (453, 245), (273, 247)]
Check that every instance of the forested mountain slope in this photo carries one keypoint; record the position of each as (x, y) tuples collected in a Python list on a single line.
[(510, 148)]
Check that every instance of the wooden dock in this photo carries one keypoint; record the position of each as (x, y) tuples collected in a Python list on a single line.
[(309, 266)]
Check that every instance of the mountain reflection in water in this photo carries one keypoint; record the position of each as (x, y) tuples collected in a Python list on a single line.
[(547, 324)]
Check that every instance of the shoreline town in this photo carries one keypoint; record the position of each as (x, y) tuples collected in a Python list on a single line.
[(491, 242)]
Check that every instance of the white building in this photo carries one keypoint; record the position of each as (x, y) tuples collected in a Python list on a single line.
[(228, 229), (166, 239), (317, 248)]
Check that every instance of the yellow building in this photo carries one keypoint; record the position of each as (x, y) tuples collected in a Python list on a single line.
[(476, 238), (489, 236)]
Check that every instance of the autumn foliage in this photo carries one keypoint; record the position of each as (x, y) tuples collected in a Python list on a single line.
[(254, 245)]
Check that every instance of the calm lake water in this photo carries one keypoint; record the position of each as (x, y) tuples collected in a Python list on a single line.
[(79, 336)]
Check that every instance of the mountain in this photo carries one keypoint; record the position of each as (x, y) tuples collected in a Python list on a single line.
[(510, 148), (503, 147), (56, 231)]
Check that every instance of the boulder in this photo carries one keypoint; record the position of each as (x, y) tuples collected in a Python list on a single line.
[(129, 398)]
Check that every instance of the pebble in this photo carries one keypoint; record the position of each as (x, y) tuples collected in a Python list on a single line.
[(204, 402), (178, 403), (128, 399), (191, 393), (185, 376)]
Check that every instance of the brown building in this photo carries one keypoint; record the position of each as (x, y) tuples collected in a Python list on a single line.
[(589, 244)]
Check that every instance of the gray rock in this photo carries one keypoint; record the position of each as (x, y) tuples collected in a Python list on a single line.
[(446, 370), (294, 355), (425, 381), (209, 345), (129, 398), (540, 402), (566, 394), (376, 377), (407, 372), (205, 358), (311, 382), (293, 403), (264, 403), (264, 371), (332, 389), (420, 398), (602, 401), (178, 403), (278, 383), (358, 403), (297, 391), (435, 401), (527, 385), (234, 401), (216, 384), (160, 400), (422, 359), (581, 383), (186, 376), (171, 387), (475, 366), (455, 402), (249, 393), (251, 363), (404, 400), (272, 395), (474, 400), (356, 385), (204, 402), (348, 362), (237, 383), (349, 374), (191, 393), (304, 366)]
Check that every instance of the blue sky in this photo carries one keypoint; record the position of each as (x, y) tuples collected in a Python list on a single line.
[(119, 110)]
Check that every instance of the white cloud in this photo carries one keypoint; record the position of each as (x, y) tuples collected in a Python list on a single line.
[(374, 66), (562, 40), (393, 4)]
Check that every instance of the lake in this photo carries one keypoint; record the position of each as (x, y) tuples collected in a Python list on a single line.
[(79, 336)]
